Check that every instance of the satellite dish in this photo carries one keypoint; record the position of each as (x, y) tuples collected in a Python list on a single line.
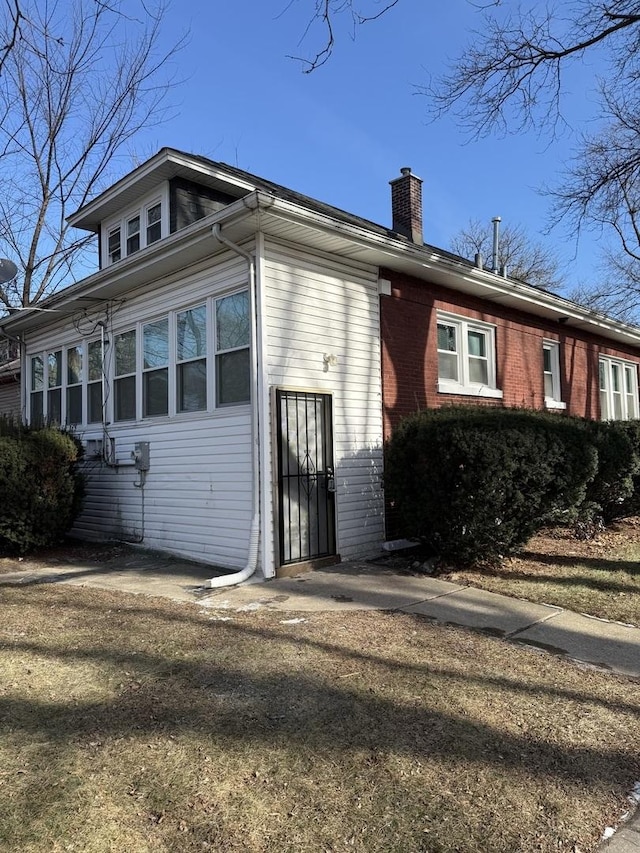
[(8, 270)]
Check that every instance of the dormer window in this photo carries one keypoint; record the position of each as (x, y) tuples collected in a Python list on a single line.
[(133, 234), (115, 252), (154, 223), (136, 229)]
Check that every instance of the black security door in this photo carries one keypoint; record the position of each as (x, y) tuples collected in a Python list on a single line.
[(306, 491)]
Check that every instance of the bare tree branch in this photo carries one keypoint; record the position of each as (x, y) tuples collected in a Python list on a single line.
[(70, 104), (324, 15), (524, 258), (510, 75)]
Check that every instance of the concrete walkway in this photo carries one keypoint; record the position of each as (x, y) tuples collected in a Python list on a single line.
[(607, 645), (364, 586)]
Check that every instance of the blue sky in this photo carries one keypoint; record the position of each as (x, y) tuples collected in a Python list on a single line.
[(341, 133)]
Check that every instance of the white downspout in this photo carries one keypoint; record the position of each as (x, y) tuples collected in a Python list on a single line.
[(254, 536)]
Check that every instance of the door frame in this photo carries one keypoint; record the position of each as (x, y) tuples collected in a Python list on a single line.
[(288, 569)]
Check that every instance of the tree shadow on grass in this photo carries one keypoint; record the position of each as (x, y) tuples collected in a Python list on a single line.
[(592, 582), (123, 609), (631, 567), (210, 693)]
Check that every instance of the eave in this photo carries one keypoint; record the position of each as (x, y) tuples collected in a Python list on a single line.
[(294, 223), (166, 164)]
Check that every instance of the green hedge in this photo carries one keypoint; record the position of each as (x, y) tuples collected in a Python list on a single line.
[(41, 486), (613, 492), (475, 483)]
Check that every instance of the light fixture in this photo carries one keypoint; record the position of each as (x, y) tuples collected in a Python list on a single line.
[(330, 360)]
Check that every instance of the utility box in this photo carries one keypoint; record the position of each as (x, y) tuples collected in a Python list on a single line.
[(140, 455)]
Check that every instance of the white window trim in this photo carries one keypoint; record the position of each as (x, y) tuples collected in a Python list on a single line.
[(624, 366), (465, 387), (140, 210), (109, 378), (554, 402)]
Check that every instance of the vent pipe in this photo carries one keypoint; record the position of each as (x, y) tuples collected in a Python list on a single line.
[(496, 243)]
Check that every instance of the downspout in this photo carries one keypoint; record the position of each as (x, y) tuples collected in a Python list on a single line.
[(254, 536)]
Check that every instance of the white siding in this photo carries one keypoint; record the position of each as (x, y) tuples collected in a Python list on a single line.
[(315, 306), (196, 500), (10, 399)]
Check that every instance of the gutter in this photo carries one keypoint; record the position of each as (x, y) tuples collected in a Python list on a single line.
[(254, 535)]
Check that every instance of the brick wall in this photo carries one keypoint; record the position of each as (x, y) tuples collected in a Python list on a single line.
[(410, 362)]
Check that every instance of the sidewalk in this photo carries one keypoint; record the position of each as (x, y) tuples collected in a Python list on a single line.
[(358, 586)]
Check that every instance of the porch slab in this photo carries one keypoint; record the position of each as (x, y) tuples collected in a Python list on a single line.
[(350, 589)]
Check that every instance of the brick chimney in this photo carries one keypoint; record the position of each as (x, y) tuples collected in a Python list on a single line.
[(406, 205)]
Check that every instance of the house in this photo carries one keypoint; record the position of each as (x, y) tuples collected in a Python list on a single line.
[(9, 379), (238, 359)]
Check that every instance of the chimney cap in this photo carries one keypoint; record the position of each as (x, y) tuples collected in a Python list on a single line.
[(405, 172)]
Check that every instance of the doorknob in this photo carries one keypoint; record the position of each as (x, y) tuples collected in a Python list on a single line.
[(331, 483)]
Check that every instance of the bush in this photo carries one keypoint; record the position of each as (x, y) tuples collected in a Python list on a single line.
[(610, 494), (41, 487), (475, 483)]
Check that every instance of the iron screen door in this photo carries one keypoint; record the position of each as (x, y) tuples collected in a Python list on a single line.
[(306, 492)]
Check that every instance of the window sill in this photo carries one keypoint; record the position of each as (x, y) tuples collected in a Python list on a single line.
[(469, 390), (553, 404)]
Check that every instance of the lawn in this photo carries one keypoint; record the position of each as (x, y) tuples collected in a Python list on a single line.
[(135, 724), (600, 576)]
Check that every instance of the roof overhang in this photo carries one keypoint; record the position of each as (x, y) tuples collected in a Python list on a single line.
[(166, 164), (290, 222)]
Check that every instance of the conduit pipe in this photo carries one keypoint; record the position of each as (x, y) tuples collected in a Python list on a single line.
[(254, 536)]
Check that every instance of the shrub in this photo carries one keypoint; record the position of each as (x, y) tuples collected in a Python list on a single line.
[(41, 486), (610, 494), (476, 483)]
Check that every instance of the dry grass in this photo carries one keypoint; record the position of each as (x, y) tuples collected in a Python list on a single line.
[(133, 724), (600, 577)]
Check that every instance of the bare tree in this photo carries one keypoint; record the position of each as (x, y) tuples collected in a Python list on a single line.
[(79, 79), (324, 17), (511, 78), (13, 13), (615, 290), (522, 257)]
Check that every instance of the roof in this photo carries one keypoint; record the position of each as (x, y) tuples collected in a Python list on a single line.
[(287, 215), (170, 163)]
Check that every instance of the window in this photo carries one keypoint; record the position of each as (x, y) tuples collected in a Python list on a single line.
[(551, 373), (125, 376), (136, 229), (466, 357), (618, 389), (232, 349), (54, 385), (191, 361), (114, 249), (94, 382), (37, 389), (155, 368), (133, 234), (154, 223), (74, 385)]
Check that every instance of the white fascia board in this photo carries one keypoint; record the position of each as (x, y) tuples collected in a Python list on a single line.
[(120, 186), (481, 283), (166, 155), (129, 271)]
